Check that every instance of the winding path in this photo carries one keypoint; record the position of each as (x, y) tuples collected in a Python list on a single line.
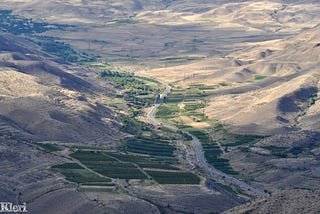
[(213, 172)]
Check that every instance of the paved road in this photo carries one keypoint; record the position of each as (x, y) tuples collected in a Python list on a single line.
[(213, 172)]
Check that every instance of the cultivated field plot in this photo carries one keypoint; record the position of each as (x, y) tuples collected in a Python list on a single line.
[(108, 165), (149, 146), (187, 105), (165, 177), (75, 173)]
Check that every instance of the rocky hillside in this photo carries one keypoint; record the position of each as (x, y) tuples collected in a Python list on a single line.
[(289, 201), (49, 100)]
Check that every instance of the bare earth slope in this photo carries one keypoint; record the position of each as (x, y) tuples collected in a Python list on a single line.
[(289, 201), (283, 100), (52, 101)]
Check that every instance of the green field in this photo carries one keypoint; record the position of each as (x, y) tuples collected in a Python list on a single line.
[(212, 151), (149, 146), (75, 173), (49, 147), (167, 111), (174, 177), (138, 92), (126, 166)]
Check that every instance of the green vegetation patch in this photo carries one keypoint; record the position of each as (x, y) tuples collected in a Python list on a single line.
[(284, 152), (62, 50), (212, 151), (23, 26), (150, 146), (116, 170), (146, 161), (107, 165), (90, 189), (224, 84), (68, 166), (165, 177), (91, 156), (132, 126), (138, 92), (75, 173), (18, 25), (194, 106), (259, 77), (49, 147), (167, 111)]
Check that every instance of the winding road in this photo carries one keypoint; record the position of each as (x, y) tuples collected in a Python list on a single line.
[(213, 172)]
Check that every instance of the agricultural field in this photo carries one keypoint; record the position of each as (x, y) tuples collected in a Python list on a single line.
[(49, 147), (116, 165), (212, 151), (186, 105), (137, 92), (75, 173), (174, 177)]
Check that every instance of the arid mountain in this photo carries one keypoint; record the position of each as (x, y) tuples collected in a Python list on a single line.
[(286, 93), (154, 31), (244, 78)]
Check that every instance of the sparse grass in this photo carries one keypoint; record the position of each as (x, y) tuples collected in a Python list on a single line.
[(280, 152), (227, 188), (230, 139), (284, 152)]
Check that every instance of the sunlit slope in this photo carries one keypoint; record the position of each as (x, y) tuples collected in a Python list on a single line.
[(282, 90)]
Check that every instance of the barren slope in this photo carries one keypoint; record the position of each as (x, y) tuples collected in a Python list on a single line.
[(52, 101), (284, 99), (289, 201)]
